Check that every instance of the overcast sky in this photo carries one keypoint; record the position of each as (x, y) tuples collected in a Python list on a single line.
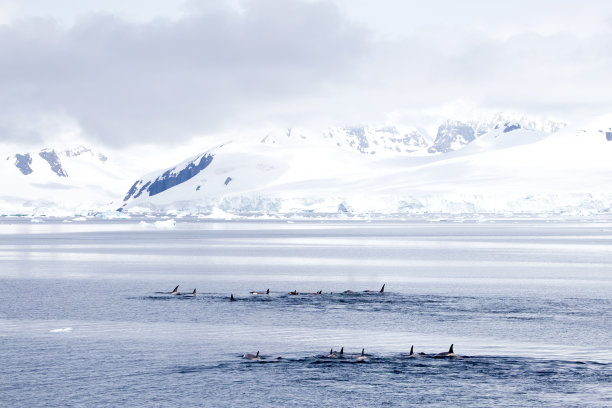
[(128, 72)]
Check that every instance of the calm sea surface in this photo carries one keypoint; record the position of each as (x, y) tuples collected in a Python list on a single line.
[(526, 303)]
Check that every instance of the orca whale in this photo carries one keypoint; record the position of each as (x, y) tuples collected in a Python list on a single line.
[(362, 357), (449, 353), (413, 354), (232, 297), (316, 293), (192, 294), (382, 290), (295, 292), (331, 354), (255, 292), (250, 356), (174, 291)]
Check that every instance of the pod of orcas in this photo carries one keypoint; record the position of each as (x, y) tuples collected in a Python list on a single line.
[(332, 354), (363, 357), (295, 292), (175, 292)]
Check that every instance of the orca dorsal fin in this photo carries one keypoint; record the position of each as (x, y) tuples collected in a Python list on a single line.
[(232, 297), (362, 352), (342, 351), (257, 355), (331, 351), (194, 292), (175, 289), (383, 288), (412, 350), (319, 292), (268, 291), (450, 350)]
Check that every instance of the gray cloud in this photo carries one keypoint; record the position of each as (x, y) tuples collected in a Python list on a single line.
[(275, 62), (125, 82)]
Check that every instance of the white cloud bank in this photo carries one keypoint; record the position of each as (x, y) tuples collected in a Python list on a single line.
[(258, 63)]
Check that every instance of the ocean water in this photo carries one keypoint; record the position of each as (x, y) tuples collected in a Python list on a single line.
[(526, 303)]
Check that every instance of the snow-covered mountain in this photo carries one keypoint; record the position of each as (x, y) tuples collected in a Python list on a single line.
[(509, 168), (24, 161), (453, 135), (53, 180), (410, 141), (373, 140)]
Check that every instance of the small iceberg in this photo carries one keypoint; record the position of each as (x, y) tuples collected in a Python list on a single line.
[(165, 225), (62, 330)]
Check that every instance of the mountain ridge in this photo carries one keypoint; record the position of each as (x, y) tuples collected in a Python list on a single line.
[(290, 171)]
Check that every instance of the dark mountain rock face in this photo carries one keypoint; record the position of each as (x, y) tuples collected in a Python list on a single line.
[(51, 157), (169, 178), (509, 127), (369, 140), (451, 135), (358, 139), (23, 162)]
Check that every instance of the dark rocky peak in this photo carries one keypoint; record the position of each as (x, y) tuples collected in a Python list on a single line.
[(452, 135), (23, 162), (51, 157), (509, 127), (171, 177), (357, 138)]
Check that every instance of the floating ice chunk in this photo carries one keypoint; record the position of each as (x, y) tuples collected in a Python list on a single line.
[(62, 330), (219, 214), (165, 225)]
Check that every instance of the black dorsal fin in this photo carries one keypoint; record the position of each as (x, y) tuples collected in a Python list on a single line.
[(268, 291), (342, 351), (232, 297), (257, 355), (194, 292), (411, 350), (331, 351), (363, 352), (450, 350), (383, 288), (175, 289)]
